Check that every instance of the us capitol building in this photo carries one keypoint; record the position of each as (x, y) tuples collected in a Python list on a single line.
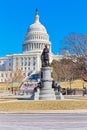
[(29, 61)]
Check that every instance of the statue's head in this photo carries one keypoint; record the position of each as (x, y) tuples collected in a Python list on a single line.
[(45, 46)]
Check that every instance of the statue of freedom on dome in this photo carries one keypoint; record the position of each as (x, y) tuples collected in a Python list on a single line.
[(45, 57)]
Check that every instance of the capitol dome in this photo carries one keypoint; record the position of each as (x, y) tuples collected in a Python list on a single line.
[(37, 27), (36, 37)]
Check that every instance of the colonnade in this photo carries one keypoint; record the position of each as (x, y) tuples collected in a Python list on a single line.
[(33, 46)]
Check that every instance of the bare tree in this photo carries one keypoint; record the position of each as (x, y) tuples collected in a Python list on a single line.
[(56, 74), (63, 70), (17, 77), (76, 44)]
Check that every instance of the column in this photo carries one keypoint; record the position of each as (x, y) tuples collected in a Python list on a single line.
[(30, 46)]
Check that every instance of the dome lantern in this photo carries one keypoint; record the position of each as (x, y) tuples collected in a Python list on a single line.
[(36, 16)]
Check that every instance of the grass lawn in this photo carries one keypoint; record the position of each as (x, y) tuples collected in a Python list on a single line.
[(9, 105), (24, 106), (75, 84)]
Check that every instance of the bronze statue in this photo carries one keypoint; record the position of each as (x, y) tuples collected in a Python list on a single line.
[(45, 57)]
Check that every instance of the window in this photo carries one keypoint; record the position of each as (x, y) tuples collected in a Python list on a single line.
[(16, 59), (24, 74), (10, 74), (25, 63), (34, 63), (1, 80), (25, 59), (9, 64), (34, 60), (6, 75), (28, 63), (1, 74), (28, 58), (34, 68)]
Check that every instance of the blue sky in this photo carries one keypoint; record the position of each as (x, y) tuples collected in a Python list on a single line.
[(60, 17)]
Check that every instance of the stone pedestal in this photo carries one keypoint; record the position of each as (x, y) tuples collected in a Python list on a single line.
[(36, 95), (46, 92)]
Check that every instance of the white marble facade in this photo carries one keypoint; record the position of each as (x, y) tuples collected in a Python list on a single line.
[(29, 60)]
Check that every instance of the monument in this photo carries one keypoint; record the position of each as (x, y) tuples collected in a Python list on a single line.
[(44, 89)]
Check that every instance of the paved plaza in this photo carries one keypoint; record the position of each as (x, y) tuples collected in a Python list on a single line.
[(46, 121)]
